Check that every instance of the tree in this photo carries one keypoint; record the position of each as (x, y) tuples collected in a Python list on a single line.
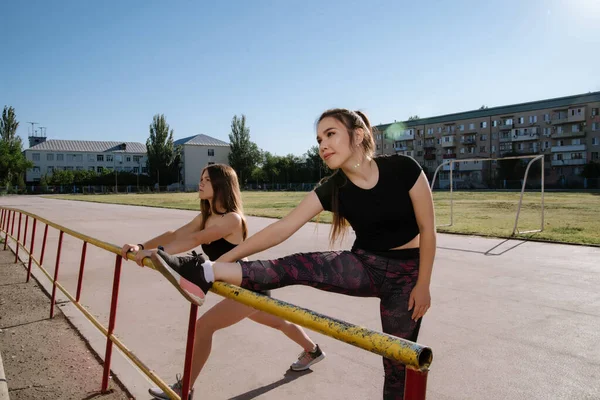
[(591, 170), (13, 163), (163, 158), (8, 124), (245, 154)]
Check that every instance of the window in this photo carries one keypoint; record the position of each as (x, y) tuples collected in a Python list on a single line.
[(546, 117), (91, 169), (440, 129), (419, 143), (483, 137), (471, 126), (559, 129), (128, 159), (575, 128), (136, 170), (211, 152), (595, 141), (137, 159), (595, 126), (532, 119), (493, 149), (36, 170), (119, 158), (100, 157), (69, 168), (521, 120), (483, 124), (495, 123), (91, 158), (575, 142), (482, 149), (384, 146), (70, 157), (520, 146), (508, 121), (99, 169), (379, 137), (595, 111), (430, 131), (50, 157), (576, 156), (60, 157), (559, 157), (79, 168), (594, 155), (560, 143), (377, 147), (50, 170), (144, 170), (109, 158), (494, 136), (462, 151), (35, 156), (546, 145)]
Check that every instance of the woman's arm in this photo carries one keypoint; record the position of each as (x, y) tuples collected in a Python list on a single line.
[(422, 201), (186, 241), (278, 231), (164, 238)]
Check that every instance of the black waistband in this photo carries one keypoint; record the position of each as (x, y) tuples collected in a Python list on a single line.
[(400, 254)]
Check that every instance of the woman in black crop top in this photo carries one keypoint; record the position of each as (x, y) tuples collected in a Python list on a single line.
[(388, 203), (219, 228)]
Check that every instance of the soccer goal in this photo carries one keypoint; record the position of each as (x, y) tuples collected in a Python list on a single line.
[(473, 167)]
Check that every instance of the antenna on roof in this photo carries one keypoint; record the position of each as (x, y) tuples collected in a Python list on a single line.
[(33, 127)]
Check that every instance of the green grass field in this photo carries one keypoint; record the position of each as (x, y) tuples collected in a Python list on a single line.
[(569, 217)]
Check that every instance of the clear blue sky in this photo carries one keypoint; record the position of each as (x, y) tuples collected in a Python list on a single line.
[(101, 70)]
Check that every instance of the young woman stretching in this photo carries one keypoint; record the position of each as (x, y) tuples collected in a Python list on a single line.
[(388, 203), (219, 228)]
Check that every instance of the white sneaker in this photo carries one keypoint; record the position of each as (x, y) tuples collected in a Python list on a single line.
[(176, 387), (306, 359)]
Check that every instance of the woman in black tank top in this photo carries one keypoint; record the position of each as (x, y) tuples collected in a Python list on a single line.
[(220, 224)]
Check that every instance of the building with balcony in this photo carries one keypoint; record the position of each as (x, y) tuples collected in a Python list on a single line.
[(551, 127)]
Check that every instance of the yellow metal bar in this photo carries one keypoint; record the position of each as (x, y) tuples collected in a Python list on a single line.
[(411, 354)]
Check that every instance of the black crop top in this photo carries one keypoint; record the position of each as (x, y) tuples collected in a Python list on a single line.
[(217, 248), (382, 217)]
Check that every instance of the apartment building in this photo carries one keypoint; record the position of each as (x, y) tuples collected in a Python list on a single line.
[(77, 155), (197, 152), (566, 130)]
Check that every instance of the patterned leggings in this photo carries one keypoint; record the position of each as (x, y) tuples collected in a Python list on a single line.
[(355, 273)]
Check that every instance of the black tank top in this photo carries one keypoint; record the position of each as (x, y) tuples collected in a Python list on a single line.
[(217, 248)]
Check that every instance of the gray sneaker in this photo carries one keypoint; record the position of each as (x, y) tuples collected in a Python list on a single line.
[(306, 359), (177, 386)]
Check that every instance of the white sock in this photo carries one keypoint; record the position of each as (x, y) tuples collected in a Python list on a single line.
[(209, 274)]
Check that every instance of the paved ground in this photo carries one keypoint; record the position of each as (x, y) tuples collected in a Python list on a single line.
[(510, 319), (43, 358)]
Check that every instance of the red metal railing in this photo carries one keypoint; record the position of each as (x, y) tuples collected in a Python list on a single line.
[(417, 358)]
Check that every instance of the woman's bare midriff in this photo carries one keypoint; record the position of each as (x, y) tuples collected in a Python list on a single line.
[(414, 243)]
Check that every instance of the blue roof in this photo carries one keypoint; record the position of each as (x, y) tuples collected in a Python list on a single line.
[(201, 140)]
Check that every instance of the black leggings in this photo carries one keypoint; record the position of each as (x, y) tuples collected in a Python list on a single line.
[(390, 276)]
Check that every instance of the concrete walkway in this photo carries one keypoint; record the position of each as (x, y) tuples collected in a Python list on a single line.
[(510, 319)]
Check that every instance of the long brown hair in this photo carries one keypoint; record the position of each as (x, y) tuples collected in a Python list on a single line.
[(352, 120), (226, 193)]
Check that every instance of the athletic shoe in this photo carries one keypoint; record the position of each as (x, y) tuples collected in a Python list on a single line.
[(185, 273), (308, 358), (177, 387)]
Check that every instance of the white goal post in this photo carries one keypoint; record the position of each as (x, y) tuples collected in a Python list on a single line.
[(533, 159)]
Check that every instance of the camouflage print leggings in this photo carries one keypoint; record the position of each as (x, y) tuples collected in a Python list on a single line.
[(355, 273)]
